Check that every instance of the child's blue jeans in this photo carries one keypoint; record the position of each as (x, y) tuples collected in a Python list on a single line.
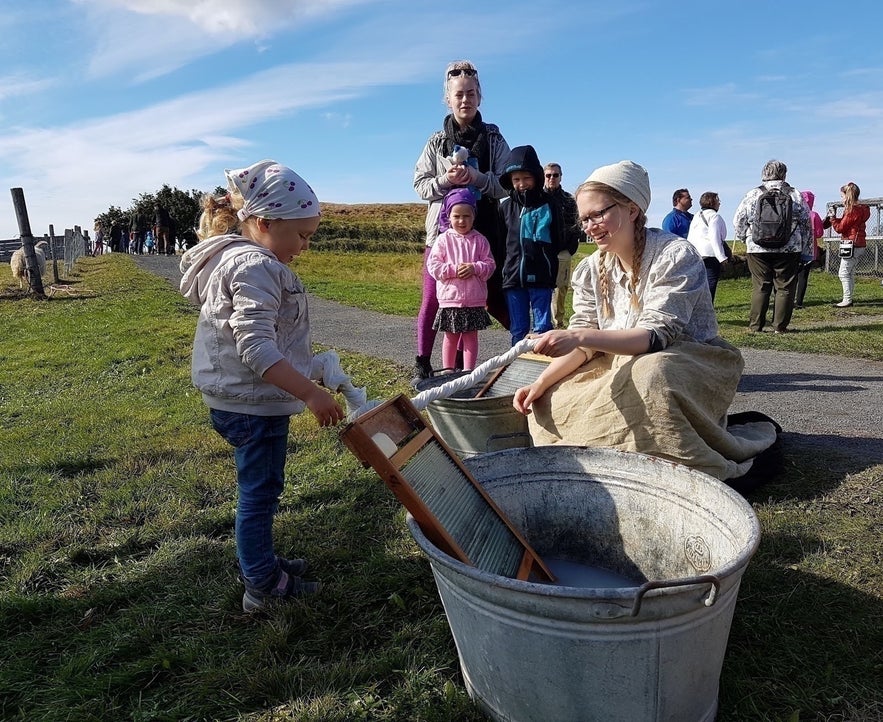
[(260, 445), (520, 302)]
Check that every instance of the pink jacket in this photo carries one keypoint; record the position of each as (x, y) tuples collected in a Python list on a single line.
[(815, 220), (448, 252)]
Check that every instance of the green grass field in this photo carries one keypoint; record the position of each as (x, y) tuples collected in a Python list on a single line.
[(118, 589)]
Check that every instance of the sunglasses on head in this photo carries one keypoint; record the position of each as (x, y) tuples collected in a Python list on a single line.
[(471, 72)]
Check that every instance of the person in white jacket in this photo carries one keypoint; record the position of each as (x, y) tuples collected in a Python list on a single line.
[(708, 235), (252, 356)]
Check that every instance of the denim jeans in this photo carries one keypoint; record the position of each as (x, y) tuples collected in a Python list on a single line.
[(521, 302), (260, 445), (712, 272)]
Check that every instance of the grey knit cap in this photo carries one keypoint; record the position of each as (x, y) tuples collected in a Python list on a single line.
[(628, 178)]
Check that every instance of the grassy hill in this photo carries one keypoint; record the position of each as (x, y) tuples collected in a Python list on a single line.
[(375, 227)]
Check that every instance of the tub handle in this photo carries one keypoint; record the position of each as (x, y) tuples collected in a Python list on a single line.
[(663, 583), (497, 437)]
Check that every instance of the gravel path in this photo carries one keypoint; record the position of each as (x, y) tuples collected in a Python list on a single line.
[(820, 401)]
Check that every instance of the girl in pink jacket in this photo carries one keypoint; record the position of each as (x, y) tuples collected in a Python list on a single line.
[(461, 263)]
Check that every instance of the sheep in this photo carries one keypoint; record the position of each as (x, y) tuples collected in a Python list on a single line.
[(19, 267)]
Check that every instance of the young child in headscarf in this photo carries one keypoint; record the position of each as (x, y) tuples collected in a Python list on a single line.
[(252, 355)]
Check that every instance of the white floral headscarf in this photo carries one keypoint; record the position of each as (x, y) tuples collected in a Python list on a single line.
[(271, 190)]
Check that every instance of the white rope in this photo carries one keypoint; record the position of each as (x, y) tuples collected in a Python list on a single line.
[(448, 389)]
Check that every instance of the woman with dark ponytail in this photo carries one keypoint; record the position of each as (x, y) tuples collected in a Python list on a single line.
[(641, 367)]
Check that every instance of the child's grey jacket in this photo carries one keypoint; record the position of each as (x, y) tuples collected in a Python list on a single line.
[(253, 313)]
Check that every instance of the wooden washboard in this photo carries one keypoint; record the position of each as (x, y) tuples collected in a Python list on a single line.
[(451, 507)]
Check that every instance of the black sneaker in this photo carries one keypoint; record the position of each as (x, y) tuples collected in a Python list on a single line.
[(295, 567), (287, 587)]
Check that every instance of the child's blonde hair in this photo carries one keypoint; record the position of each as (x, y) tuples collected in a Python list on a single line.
[(637, 256), (219, 214)]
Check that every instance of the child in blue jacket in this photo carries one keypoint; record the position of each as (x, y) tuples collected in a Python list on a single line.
[(531, 227)]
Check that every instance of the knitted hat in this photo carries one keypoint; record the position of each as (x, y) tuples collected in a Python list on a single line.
[(271, 190), (628, 178)]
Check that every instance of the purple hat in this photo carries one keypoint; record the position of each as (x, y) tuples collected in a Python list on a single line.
[(456, 197), (453, 198)]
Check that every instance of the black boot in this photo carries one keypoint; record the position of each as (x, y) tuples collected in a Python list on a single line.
[(422, 369)]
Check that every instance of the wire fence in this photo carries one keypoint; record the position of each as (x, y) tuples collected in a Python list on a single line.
[(67, 248)]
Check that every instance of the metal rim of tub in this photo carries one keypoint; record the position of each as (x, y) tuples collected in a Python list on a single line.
[(630, 597)]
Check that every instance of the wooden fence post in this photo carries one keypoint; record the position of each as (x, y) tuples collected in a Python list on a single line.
[(51, 240), (35, 280)]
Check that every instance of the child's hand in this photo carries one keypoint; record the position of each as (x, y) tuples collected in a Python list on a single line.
[(465, 270), (323, 406)]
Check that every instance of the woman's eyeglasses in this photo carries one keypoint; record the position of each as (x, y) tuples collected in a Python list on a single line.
[(456, 72), (596, 217)]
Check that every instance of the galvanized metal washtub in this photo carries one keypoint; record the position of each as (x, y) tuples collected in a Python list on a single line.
[(475, 424), (652, 651)]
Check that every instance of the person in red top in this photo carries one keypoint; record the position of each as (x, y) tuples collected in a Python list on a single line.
[(851, 227)]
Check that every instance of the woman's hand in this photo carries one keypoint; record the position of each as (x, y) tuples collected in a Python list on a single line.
[(557, 343), (465, 270), (525, 396), (458, 175)]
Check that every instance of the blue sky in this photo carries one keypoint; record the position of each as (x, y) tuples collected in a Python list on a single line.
[(103, 99)]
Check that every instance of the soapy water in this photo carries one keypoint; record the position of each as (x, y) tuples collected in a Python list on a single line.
[(584, 576)]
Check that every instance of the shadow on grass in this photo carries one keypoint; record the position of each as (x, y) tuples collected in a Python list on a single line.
[(159, 636), (808, 646), (816, 464)]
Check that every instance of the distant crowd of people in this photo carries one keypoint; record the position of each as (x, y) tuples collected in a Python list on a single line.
[(141, 234), (513, 258), (782, 234)]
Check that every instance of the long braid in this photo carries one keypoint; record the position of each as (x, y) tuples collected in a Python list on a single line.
[(638, 257), (604, 283)]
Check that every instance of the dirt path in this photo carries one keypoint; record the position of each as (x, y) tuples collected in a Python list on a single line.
[(821, 401)]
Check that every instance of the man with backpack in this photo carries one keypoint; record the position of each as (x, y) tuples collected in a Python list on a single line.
[(774, 222)]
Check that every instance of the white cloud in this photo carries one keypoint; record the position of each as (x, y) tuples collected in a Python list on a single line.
[(719, 96), (150, 38), (77, 171), (13, 85)]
